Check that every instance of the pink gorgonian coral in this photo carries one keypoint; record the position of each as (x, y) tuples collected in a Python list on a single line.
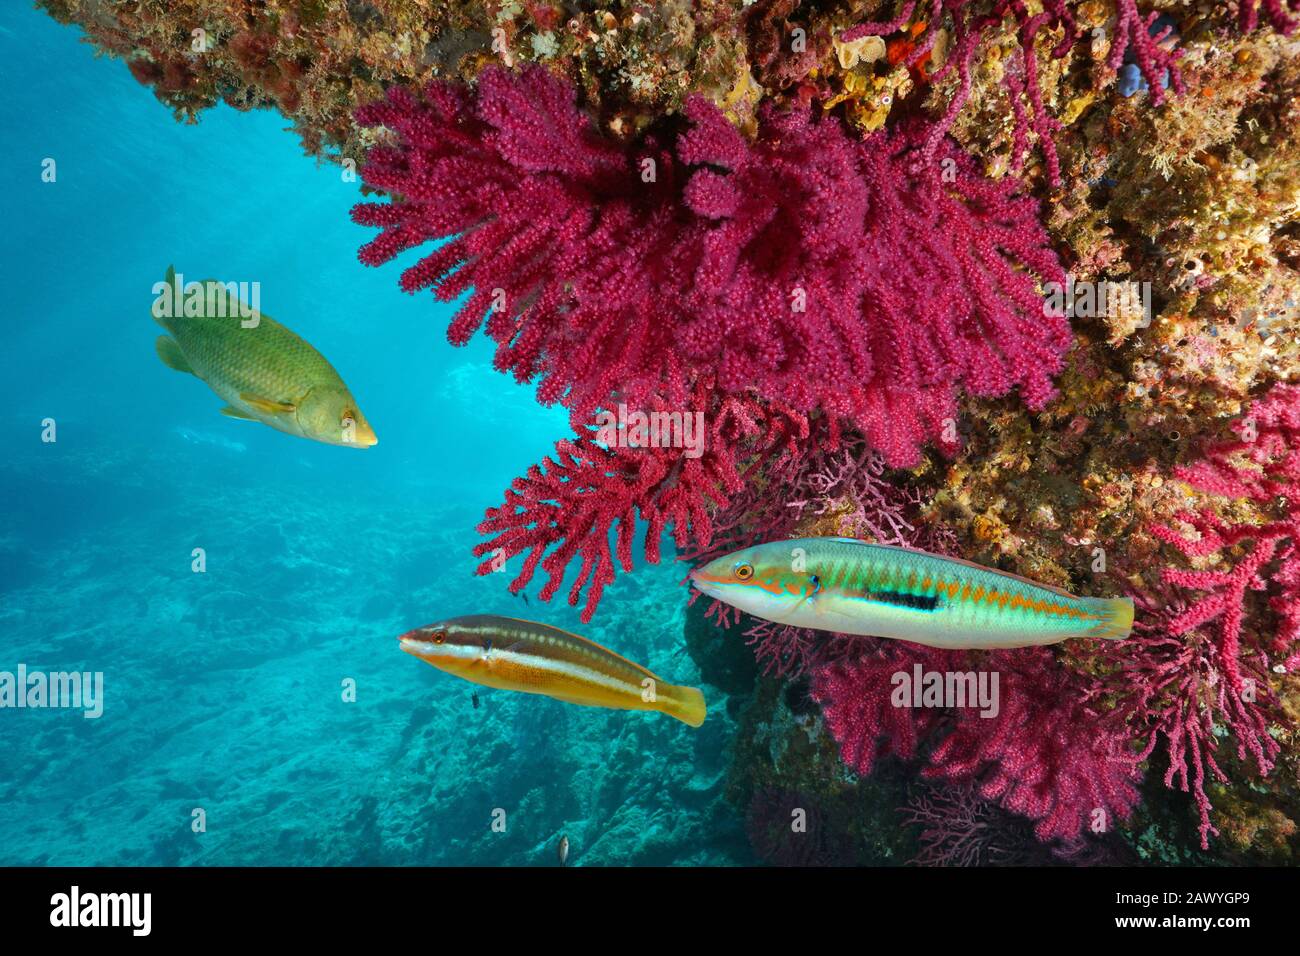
[(1046, 755), (804, 266), (958, 827), (1169, 688), (854, 695), (1206, 662), (568, 507), (1262, 466), (801, 270)]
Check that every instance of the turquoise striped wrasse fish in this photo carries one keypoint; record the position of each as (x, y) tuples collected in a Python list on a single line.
[(849, 586), (513, 654)]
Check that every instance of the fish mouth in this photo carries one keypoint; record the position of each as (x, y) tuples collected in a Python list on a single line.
[(415, 646), (703, 583), (364, 438)]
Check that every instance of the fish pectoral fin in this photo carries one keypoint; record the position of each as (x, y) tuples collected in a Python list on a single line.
[(230, 411), (268, 405), (171, 354)]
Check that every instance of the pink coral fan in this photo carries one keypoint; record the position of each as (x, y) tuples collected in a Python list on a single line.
[(1211, 658), (855, 700), (1169, 687), (803, 270), (570, 504), (785, 651), (1261, 466), (803, 267), (961, 828), (891, 285), (1047, 755), (550, 231)]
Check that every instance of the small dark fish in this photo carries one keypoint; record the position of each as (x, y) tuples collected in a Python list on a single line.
[(474, 698), (562, 851)]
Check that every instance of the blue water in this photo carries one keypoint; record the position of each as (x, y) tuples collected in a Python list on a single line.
[(224, 690)]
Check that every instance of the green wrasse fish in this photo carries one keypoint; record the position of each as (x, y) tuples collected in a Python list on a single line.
[(839, 584), (512, 654), (264, 372)]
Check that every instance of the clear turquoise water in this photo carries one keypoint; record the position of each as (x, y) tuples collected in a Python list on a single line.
[(223, 691)]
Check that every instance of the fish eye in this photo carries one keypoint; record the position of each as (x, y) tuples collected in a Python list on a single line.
[(438, 636), (744, 572)]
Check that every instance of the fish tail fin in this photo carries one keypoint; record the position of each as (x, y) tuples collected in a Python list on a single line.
[(1116, 618), (686, 704)]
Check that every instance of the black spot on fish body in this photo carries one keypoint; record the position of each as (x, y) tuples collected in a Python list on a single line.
[(917, 602)]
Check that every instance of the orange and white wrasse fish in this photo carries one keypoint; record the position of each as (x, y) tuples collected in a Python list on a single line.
[(852, 587), (512, 654)]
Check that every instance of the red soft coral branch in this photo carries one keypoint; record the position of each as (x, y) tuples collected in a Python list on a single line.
[(1276, 12), (1263, 466), (1047, 755), (1194, 662), (855, 699), (1166, 684), (567, 507)]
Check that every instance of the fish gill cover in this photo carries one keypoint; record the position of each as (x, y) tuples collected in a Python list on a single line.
[(830, 229)]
